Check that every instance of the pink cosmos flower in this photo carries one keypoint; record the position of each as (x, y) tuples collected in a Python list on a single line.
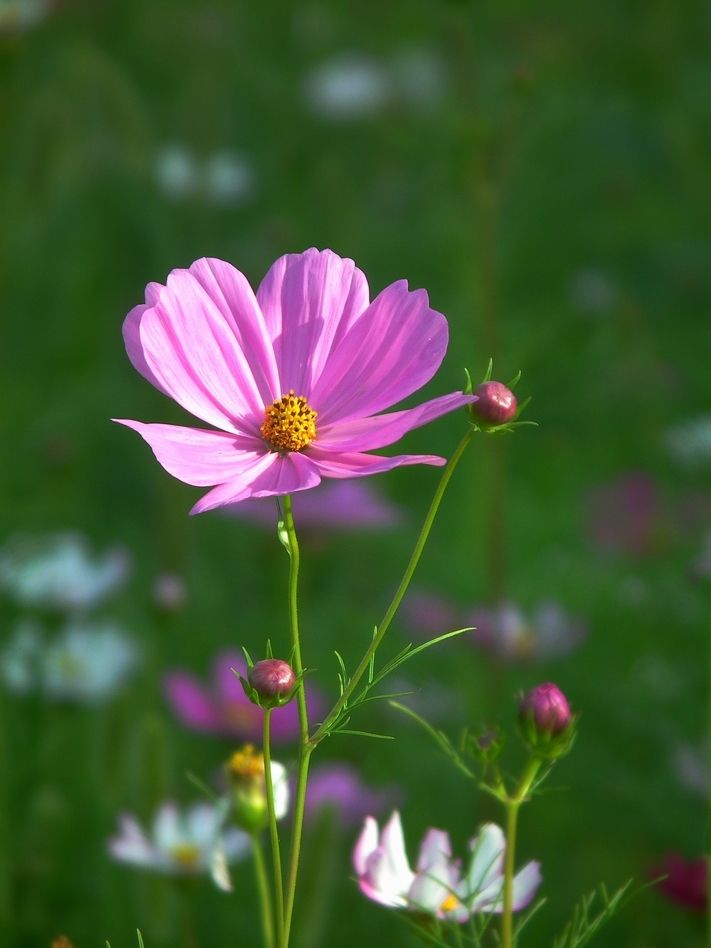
[(437, 886), (685, 882), (332, 506), (223, 708), (293, 377), (339, 786)]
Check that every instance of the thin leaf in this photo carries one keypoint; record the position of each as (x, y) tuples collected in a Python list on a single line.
[(380, 737)]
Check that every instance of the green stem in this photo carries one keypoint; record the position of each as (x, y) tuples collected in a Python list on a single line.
[(362, 668), (265, 902), (273, 830), (305, 747), (512, 807)]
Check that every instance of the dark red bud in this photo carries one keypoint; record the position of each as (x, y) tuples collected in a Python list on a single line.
[(272, 678), (497, 403)]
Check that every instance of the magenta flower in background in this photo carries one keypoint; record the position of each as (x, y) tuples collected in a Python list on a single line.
[(332, 506), (221, 707), (686, 882), (505, 631), (624, 515), (340, 788), (292, 378)]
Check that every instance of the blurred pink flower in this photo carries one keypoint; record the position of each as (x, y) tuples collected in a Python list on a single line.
[(338, 505), (292, 378), (686, 880), (623, 516), (221, 707), (340, 787), (505, 631)]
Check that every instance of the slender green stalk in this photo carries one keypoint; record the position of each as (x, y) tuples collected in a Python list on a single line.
[(273, 829), (305, 747), (512, 807), (265, 902), (362, 668)]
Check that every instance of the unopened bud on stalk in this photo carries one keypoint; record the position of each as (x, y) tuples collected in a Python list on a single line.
[(496, 404), (273, 680), (546, 721), (245, 772)]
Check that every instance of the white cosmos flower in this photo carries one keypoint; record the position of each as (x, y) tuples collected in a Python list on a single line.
[(437, 885), (86, 662), (348, 86), (58, 572), (689, 443), (185, 842)]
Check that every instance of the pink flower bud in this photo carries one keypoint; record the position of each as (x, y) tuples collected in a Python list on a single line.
[(545, 709), (497, 403), (272, 678)]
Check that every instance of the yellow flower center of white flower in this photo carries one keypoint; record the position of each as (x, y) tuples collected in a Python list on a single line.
[(246, 763), (289, 423), (449, 904), (186, 855)]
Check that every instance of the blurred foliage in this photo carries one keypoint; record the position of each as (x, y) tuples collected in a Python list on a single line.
[(552, 195)]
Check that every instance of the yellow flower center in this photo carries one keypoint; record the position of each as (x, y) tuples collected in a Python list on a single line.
[(246, 763), (449, 904), (186, 855), (290, 423)]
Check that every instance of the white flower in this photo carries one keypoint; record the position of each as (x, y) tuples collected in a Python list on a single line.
[(57, 572), (88, 662), (176, 172), (348, 86), (22, 14), (689, 443), (184, 843), (19, 657), (437, 886), (85, 662), (228, 178)]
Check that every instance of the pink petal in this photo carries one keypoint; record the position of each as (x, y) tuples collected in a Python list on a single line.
[(368, 434), (191, 702), (132, 339), (392, 350), (196, 456), (192, 351), (309, 301), (233, 296), (272, 474), (340, 465)]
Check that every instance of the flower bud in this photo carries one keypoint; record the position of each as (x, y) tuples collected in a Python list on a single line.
[(546, 721), (496, 404), (273, 680), (245, 772)]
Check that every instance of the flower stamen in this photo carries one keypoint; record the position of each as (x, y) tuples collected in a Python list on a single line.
[(289, 423)]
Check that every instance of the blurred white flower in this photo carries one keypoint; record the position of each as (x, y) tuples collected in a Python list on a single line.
[(183, 843), (176, 172), (86, 662), (19, 657), (689, 443), (593, 291), (228, 178), (348, 86), (58, 572), (18, 15), (691, 765), (225, 177), (505, 630)]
